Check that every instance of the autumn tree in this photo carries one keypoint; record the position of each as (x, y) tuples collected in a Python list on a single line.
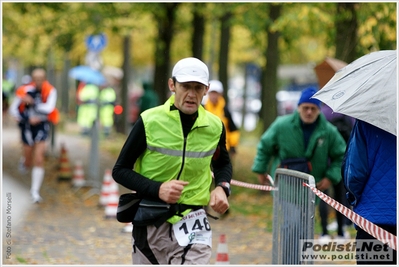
[(197, 37), (165, 18)]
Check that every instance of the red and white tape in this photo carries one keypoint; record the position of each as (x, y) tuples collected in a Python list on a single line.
[(253, 186), (374, 230)]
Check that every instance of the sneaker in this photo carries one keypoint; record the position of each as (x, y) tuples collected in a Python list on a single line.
[(332, 226), (347, 235), (36, 198), (324, 239), (128, 228), (21, 166)]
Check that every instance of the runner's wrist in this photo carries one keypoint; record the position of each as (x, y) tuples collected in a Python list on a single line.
[(226, 188)]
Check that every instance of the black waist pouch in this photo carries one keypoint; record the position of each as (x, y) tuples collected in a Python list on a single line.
[(127, 207), (152, 212), (297, 164), (156, 212)]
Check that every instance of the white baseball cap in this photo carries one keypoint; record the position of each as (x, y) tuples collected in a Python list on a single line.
[(191, 70), (215, 86)]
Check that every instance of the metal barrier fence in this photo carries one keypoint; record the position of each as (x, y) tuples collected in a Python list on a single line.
[(293, 215)]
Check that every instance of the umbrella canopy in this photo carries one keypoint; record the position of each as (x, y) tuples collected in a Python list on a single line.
[(87, 75), (366, 89), (326, 69)]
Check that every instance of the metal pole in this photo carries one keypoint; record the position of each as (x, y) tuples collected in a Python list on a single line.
[(52, 127), (94, 157)]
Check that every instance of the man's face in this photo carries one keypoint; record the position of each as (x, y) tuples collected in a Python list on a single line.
[(213, 97), (188, 95), (38, 77), (308, 112)]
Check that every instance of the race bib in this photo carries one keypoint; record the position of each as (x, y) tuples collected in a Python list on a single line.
[(193, 228)]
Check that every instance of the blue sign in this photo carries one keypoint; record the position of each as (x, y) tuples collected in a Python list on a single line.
[(96, 43)]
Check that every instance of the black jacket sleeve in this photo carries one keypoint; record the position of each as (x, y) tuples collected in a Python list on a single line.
[(221, 164), (123, 172)]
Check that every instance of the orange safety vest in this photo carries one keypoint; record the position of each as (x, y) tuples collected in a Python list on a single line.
[(53, 116)]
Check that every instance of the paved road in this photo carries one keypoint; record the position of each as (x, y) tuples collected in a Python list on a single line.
[(69, 228), (16, 202)]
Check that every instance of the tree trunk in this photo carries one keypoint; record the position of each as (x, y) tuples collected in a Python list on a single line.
[(65, 85), (269, 78), (212, 49), (162, 51), (224, 52), (346, 32), (197, 38), (121, 126)]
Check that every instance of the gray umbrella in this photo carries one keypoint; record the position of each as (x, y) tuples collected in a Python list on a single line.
[(366, 89)]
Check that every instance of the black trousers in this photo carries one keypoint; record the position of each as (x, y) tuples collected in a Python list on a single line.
[(339, 195)]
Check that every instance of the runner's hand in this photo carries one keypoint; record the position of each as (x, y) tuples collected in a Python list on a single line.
[(171, 191), (27, 99), (219, 202)]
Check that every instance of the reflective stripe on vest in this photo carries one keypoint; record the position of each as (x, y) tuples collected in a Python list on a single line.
[(189, 154)]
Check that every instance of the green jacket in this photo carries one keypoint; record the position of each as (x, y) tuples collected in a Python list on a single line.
[(284, 139)]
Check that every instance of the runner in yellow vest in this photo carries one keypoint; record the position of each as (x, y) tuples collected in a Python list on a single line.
[(167, 159), (87, 112), (107, 103)]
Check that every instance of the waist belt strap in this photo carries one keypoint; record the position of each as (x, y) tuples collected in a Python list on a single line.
[(175, 209)]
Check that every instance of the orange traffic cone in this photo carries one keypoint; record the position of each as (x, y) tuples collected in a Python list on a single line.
[(113, 199), (105, 188), (78, 175), (65, 173), (222, 257)]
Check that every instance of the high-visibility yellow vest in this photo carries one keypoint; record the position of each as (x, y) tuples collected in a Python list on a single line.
[(107, 96), (170, 156)]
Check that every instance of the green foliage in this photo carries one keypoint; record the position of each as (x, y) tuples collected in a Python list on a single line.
[(31, 30), (379, 28)]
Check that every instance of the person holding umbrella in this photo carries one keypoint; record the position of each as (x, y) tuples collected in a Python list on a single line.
[(366, 89), (369, 171)]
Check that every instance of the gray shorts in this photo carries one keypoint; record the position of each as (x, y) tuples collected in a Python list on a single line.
[(153, 245)]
